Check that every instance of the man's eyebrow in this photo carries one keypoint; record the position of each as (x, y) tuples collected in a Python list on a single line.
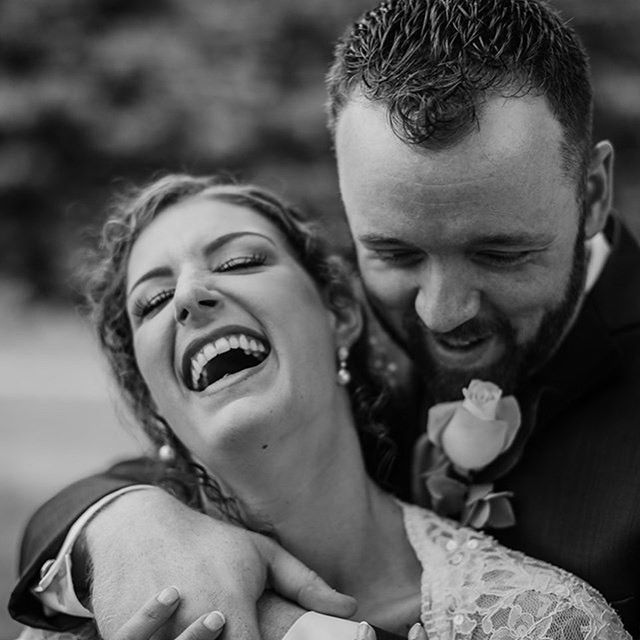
[(517, 239), (375, 239), (208, 249), (498, 239)]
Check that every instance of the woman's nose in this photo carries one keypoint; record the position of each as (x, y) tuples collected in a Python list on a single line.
[(194, 301)]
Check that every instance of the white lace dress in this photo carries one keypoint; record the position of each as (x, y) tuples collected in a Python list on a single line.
[(475, 589)]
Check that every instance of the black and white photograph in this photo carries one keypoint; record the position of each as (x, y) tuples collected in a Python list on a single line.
[(320, 320)]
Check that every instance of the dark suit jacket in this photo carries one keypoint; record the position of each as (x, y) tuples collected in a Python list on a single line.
[(576, 482)]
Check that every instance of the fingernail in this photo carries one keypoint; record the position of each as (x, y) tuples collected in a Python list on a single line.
[(214, 621), (365, 632), (168, 596), (414, 632)]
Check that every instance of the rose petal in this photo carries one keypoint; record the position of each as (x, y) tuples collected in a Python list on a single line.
[(439, 416), (472, 443), (509, 411)]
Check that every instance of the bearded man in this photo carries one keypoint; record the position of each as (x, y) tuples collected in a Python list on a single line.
[(481, 215)]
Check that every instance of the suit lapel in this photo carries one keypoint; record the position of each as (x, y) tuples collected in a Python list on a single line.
[(589, 353)]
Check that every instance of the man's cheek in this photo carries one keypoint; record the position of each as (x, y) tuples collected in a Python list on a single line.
[(388, 291), (526, 323)]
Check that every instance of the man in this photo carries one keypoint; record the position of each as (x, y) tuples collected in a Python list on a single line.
[(480, 213)]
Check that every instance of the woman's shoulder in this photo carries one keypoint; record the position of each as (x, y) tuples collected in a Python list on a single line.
[(476, 588)]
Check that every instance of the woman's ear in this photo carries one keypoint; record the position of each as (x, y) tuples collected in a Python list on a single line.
[(346, 317), (599, 189)]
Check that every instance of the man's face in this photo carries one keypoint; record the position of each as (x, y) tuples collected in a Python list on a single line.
[(473, 256)]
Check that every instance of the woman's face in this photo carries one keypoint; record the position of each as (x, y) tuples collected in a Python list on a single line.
[(230, 333)]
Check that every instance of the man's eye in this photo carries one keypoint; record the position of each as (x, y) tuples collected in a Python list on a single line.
[(504, 258), (400, 257), (143, 307), (242, 262)]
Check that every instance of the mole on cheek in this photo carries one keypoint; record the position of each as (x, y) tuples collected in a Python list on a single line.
[(264, 446)]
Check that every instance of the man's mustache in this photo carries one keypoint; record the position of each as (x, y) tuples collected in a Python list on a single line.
[(470, 330)]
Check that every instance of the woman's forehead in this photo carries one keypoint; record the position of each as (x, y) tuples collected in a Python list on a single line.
[(201, 219)]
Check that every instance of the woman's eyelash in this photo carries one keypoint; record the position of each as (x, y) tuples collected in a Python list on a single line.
[(144, 307), (243, 262)]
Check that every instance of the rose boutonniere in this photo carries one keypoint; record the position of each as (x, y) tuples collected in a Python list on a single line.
[(475, 431), (462, 438)]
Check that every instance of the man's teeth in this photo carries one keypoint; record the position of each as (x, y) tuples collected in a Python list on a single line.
[(251, 346), (461, 344)]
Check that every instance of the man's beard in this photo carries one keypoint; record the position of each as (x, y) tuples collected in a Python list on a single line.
[(517, 362)]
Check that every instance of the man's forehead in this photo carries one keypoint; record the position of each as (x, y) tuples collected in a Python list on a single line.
[(500, 177), (509, 130)]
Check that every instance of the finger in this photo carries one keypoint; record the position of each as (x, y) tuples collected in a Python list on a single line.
[(365, 632), (206, 627), (417, 632), (150, 616), (293, 580)]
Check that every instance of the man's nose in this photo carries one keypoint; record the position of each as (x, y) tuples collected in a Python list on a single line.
[(446, 299), (194, 300)]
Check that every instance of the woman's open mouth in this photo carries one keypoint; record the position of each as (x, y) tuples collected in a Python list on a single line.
[(223, 356)]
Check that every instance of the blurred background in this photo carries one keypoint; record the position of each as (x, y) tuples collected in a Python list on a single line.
[(95, 95)]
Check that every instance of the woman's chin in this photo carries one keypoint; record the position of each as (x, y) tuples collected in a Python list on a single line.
[(235, 410)]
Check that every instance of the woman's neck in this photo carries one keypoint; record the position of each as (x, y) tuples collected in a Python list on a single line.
[(316, 499)]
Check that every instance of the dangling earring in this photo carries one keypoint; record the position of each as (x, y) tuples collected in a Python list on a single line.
[(344, 377), (166, 452)]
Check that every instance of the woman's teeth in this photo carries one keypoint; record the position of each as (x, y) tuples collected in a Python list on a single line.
[(249, 345)]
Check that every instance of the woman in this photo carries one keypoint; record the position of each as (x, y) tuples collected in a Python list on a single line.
[(239, 344)]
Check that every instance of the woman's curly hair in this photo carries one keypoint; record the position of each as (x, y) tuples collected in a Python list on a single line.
[(106, 297)]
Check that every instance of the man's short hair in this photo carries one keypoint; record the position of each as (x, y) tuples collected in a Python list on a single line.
[(431, 63)]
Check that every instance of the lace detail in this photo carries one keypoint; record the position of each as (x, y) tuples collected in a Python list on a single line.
[(86, 631), (475, 589)]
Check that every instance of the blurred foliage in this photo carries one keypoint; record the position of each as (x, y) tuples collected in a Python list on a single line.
[(93, 93)]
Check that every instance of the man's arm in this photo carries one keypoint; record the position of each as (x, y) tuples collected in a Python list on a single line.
[(137, 543), (48, 527)]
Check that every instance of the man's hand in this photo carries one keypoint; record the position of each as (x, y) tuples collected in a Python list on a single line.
[(145, 540)]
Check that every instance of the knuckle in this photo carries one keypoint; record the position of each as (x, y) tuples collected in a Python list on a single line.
[(311, 577), (153, 614)]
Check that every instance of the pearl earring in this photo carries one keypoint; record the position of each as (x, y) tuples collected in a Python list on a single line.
[(166, 454), (344, 377)]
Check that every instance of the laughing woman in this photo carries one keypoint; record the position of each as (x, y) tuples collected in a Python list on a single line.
[(239, 344)]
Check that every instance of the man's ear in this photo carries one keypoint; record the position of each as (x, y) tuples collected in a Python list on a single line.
[(599, 188)]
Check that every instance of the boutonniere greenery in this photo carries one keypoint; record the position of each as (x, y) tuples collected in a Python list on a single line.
[(461, 439)]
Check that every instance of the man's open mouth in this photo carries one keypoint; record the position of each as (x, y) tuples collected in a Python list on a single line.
[(221, 357), (462, 344)]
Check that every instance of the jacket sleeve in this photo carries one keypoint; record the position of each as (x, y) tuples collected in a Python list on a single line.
[(46, 530)]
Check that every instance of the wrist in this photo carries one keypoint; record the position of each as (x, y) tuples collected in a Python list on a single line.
[(121, 515)]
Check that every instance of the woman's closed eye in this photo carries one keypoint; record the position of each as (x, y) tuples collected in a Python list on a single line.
[(144, 306), (242, 262)]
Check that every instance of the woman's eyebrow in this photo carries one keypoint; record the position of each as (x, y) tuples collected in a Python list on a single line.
[(208, 249)]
